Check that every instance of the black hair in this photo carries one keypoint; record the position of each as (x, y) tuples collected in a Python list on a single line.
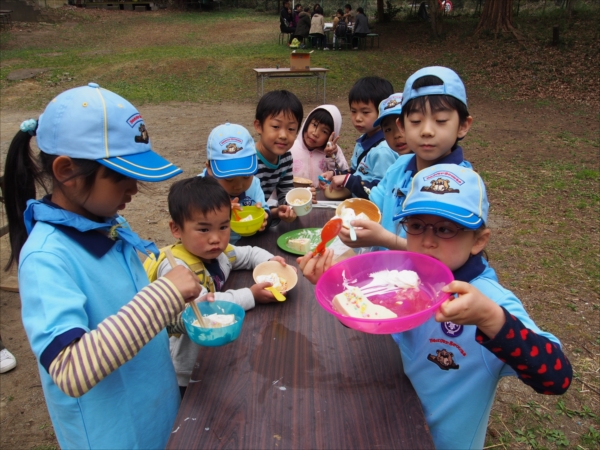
[(370, 90), (339, 11), (349, 6), (275, 102), (360, 10), (196, 194), (321, 116), (438, 102), (297, 5), (306, 9), (22, 172)]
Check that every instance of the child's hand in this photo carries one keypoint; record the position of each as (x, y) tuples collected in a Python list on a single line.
[(205, 296), (337, 182), (185, 281), (313, 266), (260, 294), (286, 213), (328, 176), (313, 191), (331, 147), (371, 234), (264, 224), (471, 307), (235, 204)]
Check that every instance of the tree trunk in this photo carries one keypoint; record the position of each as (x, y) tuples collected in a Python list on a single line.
[(496, 17), (380, 14), (569, 7)]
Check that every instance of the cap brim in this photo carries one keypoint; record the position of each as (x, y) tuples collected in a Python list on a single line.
[(391, 112), (239, 167), (147, 166), (454, 213)]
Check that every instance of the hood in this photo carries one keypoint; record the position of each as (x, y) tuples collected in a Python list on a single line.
[(335, 113)]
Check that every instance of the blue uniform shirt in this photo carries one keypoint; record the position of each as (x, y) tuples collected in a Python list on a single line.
[(391, 191), (454, 376), (372, 167), (70, 280)]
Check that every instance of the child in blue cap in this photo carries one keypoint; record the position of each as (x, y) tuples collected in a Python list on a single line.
[(94, 323), (456, 359), (231, 160), (434, 118), (390, 111)]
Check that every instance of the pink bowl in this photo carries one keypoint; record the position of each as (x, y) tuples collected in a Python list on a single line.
[(416, 309)]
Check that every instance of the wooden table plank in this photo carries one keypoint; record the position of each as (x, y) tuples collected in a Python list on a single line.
[(297, 378)]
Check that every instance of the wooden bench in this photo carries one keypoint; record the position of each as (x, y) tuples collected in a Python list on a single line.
[(314, 72), (5, 18)]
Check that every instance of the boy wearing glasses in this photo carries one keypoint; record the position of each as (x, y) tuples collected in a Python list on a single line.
[(456, 359), (433, 118)]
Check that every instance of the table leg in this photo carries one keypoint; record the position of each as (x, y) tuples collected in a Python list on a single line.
[(317, 91), (324, 86), (262, 85)]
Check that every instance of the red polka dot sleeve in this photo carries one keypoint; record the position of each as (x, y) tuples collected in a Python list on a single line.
[(538, 362)]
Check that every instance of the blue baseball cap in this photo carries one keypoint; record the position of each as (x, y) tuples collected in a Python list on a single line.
[(450, 191), (452, 86), (89, 122), (231, 151), (389, 106)]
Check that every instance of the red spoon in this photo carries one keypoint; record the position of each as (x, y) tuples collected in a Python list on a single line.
[(329, 231)]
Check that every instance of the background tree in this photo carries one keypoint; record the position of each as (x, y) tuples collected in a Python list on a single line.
[(496, 17)]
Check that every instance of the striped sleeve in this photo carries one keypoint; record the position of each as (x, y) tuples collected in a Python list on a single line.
[(286, 177), (117, 339)]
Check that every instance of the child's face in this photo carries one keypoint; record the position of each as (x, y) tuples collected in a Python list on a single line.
[(106, 197), (277, 135), (393, 135), (453, 252), (205, 236), (432, 134), (234, 186), (363, 115), (316, 135)]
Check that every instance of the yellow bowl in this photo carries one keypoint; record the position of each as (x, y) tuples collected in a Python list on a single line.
[(360, 205), (286, 272), (250, 227)]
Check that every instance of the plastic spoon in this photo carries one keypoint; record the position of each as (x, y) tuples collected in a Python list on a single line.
[(352, 232), (278, 295), (235, 213), (329, 231)]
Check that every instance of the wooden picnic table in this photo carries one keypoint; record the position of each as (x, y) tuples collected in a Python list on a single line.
[(296, 378)]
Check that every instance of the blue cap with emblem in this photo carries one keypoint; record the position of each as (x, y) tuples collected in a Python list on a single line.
[(451, 85), (90, 122), (231, 151), (390, 106), (450, 191)]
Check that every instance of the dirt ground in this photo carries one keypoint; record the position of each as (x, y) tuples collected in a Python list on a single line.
[(509, 137), (179, 131)]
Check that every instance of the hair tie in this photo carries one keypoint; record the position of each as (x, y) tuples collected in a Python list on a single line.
[(29, 126)]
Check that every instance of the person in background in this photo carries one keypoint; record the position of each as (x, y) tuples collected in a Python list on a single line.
[(361, 27), (286, 22), (349, 15), (303, 28), (296, 14), (372, 156), (340, 28), (317, 32)]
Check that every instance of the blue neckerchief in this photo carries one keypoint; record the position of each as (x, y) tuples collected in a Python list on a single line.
[(455, 157), (113, 227), (368, 142), (471, 269)]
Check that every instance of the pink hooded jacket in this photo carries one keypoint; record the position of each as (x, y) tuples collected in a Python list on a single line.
[(311, 164)]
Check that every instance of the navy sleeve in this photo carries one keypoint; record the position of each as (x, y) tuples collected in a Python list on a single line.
[(357, 186), (538, 362), (58, 344)]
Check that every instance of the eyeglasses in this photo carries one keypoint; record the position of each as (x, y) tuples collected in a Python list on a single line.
[(443, 229)]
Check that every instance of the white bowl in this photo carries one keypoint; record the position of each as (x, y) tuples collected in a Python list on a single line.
[(303, 194)]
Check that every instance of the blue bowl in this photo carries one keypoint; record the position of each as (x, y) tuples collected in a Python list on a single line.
[(214, 337)]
